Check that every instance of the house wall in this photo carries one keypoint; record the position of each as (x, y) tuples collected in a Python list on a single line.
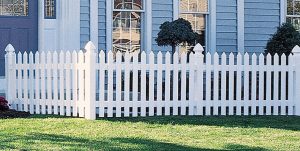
[(84, 22), (162, 10), (226, 39), (261, 21)]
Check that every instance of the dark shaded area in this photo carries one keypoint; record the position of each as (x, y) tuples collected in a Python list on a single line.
[(13, 114), (277, 122), (118, 143)]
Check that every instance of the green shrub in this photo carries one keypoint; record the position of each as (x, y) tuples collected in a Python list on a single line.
[(284, 40)]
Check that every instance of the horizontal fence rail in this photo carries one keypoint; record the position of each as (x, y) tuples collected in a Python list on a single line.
[(94, 84)]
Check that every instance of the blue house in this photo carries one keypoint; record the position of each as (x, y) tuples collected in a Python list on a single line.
[(131, 25)]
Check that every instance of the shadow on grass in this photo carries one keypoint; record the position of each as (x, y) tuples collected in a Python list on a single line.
[(118, 143), (277, 122)]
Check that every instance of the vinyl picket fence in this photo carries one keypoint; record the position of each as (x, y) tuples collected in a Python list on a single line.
[(93, 84)]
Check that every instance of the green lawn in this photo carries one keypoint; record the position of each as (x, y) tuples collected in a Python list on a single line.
[(155, 133)]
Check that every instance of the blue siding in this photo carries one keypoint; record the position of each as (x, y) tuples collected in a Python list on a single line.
[(261, 21), (102, 24), (162, 11), (226, 25), (84, 22)]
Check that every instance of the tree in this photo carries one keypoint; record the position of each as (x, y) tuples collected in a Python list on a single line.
[(175, 33), (284, 40)]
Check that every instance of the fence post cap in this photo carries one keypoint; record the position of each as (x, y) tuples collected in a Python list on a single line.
[(296, 49), (90, 47), (198, 48), (9, 48)]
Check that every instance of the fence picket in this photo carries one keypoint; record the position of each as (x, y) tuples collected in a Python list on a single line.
[(167, 84), (55, 82), (261, 84), (49, 83), (254, 101), (144, 101), (31, 83), (224, 89), (231, 84), (159, 84)]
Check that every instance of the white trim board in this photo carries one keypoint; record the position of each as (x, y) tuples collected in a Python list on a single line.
[(241, 25), (94, 22)]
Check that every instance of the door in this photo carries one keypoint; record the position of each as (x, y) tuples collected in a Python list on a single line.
[(18, 26)]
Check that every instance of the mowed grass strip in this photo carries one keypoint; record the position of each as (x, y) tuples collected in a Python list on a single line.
[(152, 133)]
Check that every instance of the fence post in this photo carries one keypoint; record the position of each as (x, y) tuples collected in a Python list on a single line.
[(198, 84), (10, 74), (90, 81), (296, 52)]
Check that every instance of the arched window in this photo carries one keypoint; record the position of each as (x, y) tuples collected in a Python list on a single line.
[(13, 7), (50, 9), (127, 25), (196, 12)]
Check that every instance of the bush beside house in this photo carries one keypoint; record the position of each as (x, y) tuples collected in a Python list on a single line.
[(284, 40)]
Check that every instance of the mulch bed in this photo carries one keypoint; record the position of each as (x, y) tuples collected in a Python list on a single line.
[(13, 114)]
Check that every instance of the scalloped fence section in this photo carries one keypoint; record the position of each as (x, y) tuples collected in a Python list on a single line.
[(95, 84)]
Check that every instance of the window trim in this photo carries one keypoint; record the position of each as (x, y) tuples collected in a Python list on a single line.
[(45, 11)]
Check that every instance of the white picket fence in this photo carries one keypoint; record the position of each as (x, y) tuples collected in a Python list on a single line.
[(90, 84)]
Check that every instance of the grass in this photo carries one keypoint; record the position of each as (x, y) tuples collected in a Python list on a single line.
[(153, 133)]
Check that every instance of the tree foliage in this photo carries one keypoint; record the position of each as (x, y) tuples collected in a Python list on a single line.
[(284, 40), (175, 33)]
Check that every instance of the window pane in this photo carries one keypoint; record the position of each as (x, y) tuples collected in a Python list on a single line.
[(126, 31), (290, 7), (193, 5), (198, 23), (50, 9), (128, 4), (14, 7), (297, 8)]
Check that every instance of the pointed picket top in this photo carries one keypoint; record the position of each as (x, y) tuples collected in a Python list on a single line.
[(25, 58), (151, 57), (223, 60), (143, 57), (247, 58), (216, 58), (30, 57), (68, 57), (119, 57), (159, 58), (208, 58), (80, 56), (261, 59), (74, 56), (269, 59), (198, 48), (276, 59), (49, 58), (90, 47), (239, 58), (296, 49), (102, 57), (127, 57), (254, 59), (168, 58), (175, 57), (61, 57), (231, 58), (55, 57), (9, 49), (283, 59), (37, 57), (183, 57), (19, 57), (135, 56), (110, 56)]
